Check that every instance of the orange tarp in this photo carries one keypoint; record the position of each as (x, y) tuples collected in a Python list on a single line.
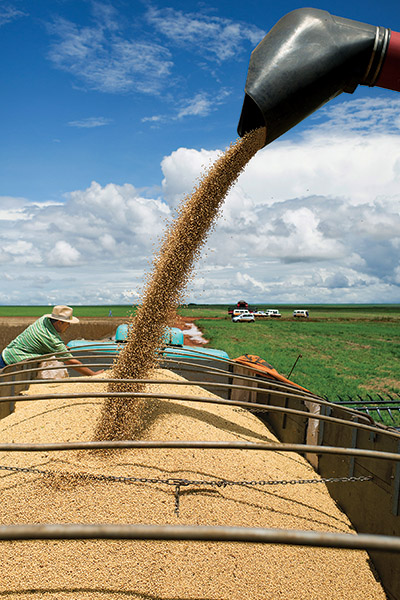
[(263, 368)]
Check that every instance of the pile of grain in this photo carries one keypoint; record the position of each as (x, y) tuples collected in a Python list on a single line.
[(172, 268), (94, 570)]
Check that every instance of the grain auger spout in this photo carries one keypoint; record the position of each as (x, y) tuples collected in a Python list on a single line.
[(308, 58)]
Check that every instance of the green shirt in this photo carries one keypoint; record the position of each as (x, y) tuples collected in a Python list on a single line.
[(39, 338)]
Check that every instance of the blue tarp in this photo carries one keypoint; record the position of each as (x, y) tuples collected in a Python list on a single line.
[(173, 340)]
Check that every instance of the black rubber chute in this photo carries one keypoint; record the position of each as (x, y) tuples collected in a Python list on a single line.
[(308, 58)]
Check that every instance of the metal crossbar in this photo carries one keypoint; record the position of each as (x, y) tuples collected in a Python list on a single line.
[(275, 447), (254, 535)]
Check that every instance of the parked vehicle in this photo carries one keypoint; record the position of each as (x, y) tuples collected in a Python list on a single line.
[(244, 317), (260, 313), (241, 304), (241, 311), (272, 312), (301, 313)]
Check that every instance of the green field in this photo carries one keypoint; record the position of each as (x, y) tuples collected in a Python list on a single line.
[(317, 311), (345, 349), (79, 311)]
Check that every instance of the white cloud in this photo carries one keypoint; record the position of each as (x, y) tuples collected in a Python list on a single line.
[(215, 38), (200, 105), (22, 252), (361, 115), (90, 122), (181, 169), (144, 55), (347, 167), (94, 247), (246, 281), (302, 238), (328, 211), (12, 209), (103, 60), (337, 280), (105, 15), (108, 242), (306, 221), (153, 119), (9, 13), (63, 255)]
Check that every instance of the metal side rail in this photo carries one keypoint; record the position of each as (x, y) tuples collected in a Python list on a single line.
[(254, 535), (206, 445)]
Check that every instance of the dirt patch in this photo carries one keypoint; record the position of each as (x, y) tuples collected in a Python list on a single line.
[(184, 323), (356, 345), (386, 384)]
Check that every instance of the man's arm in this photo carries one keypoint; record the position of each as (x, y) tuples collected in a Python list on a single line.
[(82, 369)]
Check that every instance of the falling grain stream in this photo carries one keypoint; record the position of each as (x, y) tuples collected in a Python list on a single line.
[(172, 268)]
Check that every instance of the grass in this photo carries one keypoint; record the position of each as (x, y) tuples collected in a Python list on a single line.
[(331, 312), (79, 311), (345, 350)]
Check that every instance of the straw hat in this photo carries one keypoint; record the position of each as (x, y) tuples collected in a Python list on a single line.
[(63, 313)]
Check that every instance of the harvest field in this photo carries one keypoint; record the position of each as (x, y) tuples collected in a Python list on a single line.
[(345, 349)]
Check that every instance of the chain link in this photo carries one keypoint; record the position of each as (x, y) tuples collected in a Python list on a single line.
[(178, 483), (252, 410)]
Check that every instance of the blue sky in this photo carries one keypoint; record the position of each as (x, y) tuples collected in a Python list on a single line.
[(109, 112)]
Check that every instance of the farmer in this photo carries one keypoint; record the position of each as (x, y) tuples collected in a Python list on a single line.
[(44, 337)]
